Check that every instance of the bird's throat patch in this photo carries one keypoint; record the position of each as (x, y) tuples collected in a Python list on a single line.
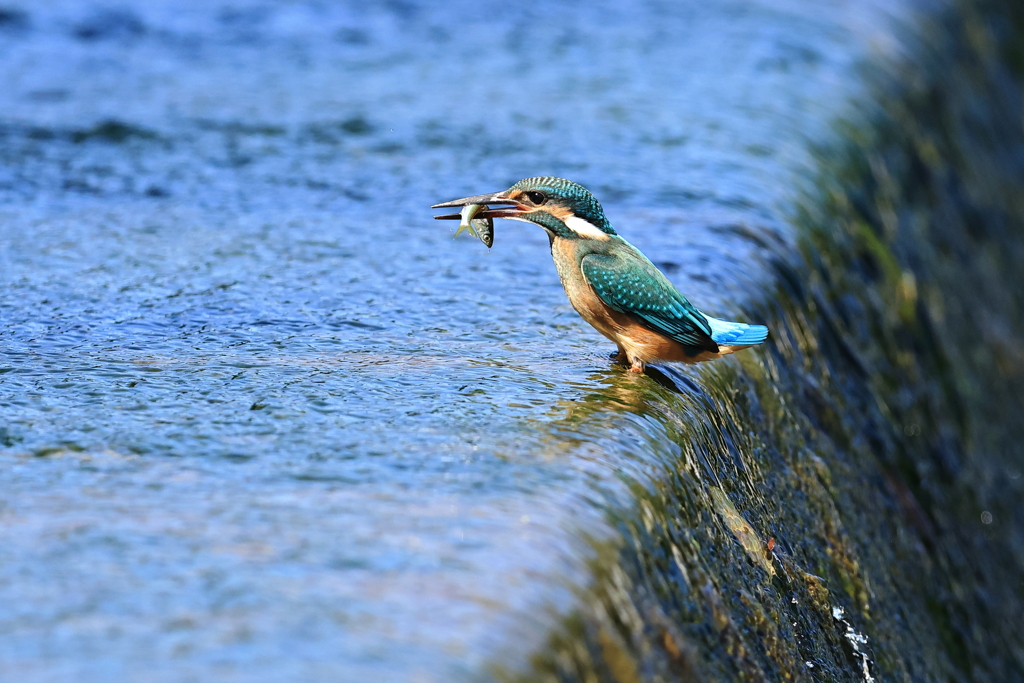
[(583, 227)]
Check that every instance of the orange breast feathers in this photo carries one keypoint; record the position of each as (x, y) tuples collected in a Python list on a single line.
[(629, 335), (638, 341)]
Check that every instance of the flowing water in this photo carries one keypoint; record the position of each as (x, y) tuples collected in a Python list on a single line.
[(261, 418)]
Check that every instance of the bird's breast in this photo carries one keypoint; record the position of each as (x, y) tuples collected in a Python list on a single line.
[(626, 331), (567, 255)]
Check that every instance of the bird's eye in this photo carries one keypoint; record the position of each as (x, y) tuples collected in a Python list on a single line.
[(536, 197)]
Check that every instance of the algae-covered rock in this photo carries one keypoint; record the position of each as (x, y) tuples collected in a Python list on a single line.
[(879, 441)]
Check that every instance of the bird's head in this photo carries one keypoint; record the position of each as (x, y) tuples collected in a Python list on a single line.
[(563, 208)]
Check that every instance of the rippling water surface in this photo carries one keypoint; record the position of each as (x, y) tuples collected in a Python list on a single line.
[(262, 418)]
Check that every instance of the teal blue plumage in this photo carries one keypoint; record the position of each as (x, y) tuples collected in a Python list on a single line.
[(736, 334), (631, 284), (584, 204), (611, 283)]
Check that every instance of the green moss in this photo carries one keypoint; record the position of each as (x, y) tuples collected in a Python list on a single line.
[(862, 437)]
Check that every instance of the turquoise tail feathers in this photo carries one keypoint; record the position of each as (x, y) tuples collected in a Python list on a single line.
[(735, 334)]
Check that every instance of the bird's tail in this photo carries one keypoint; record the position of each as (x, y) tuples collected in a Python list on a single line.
[(736, 334)]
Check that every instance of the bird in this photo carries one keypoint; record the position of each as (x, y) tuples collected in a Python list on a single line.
[(609, 282)]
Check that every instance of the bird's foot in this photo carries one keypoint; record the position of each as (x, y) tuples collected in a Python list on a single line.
[(637, 367)]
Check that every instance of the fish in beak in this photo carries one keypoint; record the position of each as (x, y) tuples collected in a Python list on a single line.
[(481, 228), (511, 208)]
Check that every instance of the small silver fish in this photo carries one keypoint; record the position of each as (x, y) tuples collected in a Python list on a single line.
[(480, 228)]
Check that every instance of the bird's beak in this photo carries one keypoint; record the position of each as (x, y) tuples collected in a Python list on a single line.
[(514, 207)]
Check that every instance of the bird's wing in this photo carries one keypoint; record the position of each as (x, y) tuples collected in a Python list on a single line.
[(634, 286)]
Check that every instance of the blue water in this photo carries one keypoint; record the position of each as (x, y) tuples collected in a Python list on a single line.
[(261, 418)]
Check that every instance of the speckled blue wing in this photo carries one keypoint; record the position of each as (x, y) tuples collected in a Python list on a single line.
[(634, 286)]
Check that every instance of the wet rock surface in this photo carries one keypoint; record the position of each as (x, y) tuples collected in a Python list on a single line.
[(263, 420), (877, 443)]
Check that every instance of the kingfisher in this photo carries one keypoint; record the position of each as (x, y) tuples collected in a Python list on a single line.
[(609, 282)]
